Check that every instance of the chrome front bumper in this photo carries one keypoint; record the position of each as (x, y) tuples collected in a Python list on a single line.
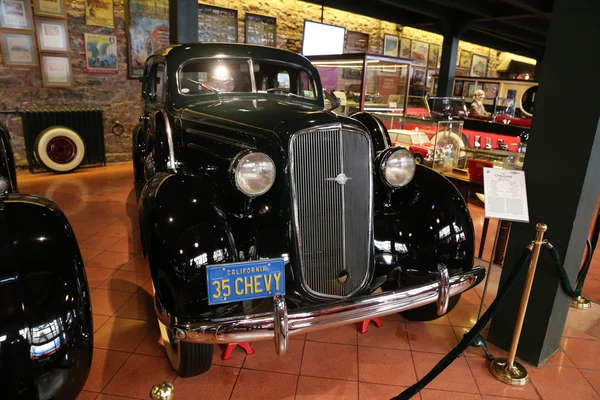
[(280, 324)]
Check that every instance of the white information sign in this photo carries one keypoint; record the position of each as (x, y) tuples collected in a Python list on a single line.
[(505, 195)]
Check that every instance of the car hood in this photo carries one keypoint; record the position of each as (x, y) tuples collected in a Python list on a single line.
[(265, 113)]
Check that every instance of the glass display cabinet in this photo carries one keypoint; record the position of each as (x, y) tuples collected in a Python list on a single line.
[(469, 163), (366, 82)]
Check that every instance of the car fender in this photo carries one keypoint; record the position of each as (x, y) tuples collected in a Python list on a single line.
[(424, 223), (46, 328), (184, 231), (7, 159), (379, 134)]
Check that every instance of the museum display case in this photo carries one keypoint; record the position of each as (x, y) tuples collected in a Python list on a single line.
[(366, 82)]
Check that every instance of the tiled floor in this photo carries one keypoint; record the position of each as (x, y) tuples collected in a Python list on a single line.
[(340, 364)]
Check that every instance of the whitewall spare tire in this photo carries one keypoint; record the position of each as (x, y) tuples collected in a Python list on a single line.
[(59, 148)]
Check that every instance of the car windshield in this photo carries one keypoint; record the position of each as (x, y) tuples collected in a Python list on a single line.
[(232, 75)]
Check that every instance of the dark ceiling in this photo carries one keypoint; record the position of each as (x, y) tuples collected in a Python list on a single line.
[(518, 26)]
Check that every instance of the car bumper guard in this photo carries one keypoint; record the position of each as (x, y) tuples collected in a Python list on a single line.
[(281, 323)]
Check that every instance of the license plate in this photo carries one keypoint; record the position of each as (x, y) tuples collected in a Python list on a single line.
[(228, 283)]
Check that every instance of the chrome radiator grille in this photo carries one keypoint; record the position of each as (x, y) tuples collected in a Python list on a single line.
[(332, 190)]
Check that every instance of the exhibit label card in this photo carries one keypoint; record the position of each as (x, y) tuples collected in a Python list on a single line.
[(505, 195)]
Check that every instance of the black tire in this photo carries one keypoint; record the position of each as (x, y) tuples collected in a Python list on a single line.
[(188, 359), (429, 311), (419, 158)]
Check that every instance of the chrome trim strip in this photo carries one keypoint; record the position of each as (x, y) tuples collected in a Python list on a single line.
[(444, 297), (172, 163), (252, 78), (341, 134), (262, 326)]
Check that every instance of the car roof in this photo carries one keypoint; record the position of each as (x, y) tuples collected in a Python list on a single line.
[(178, 53), (405, 131)]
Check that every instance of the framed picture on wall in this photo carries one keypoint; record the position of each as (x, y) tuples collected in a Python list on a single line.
[(390, 45), (101, 54), (404, 48), (469, 89), (99, 13), (464, 59), (419, 52), (356, 42), (419, 76), (50, 8), (458, 88), (16, 14), (260, 29), (430, 74), (216, 24), (147, 31), (52, 35), (479, 65), (434, 56), (19, 49), (56, 70), (461, 72), (491, 90)]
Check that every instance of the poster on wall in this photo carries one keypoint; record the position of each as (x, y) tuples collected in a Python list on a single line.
[(434, 56), (216, 24), (419, 53), (404, 48), (464, 59), (356, 42), (260, 29), (101, 54), (18, 50), (148, 27), (99, 13), (52, 35), (16, 14), (390, 45), (49, 8)]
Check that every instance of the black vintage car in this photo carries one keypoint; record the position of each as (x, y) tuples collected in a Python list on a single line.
[(45, 313), (264, 215)]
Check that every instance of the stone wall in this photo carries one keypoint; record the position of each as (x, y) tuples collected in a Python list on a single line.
[(119, 97)]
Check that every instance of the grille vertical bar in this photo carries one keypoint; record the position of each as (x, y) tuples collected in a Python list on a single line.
[(332, 219)]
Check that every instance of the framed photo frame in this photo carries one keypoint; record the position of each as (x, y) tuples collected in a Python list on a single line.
[(19, 49), (491, 90), (101, 54), (419, 77), (52, 35), (147, 31), (51, 8), (390, 45), (352, 73), (469, 89), (261, 30), (356, 42), (16, 14), (404, 48), (56, 70), (461, 72), (430, 74), (419, 52), (464, 59), (216, 24), (458, 88), (434, 56), (479, 65), (99, 13)]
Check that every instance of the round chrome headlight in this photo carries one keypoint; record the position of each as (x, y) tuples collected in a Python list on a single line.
[(397, 168), (253, 173)]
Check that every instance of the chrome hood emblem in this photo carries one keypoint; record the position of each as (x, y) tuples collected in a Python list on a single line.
[(341, 179)]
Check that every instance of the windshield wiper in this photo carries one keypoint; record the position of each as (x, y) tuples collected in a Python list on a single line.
[(203, 85)]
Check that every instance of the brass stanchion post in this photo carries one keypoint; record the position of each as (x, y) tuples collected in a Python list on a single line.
[(581, 303), (162, 391), (508, 370)]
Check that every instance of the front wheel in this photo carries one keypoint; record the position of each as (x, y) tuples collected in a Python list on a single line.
[(188, 359), (429, 311), (419, 158)]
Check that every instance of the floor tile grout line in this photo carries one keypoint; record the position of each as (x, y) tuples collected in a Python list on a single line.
[(115, 374), (589, 382), (300, 369)]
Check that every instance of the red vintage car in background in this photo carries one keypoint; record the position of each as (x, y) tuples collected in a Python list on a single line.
[(416, 142)]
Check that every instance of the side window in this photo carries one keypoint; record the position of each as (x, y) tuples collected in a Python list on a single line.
[(306, 86), (403, 139), (159, 83)]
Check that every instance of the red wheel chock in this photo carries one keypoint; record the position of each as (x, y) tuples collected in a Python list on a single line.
[(364, 325), (244, 345)]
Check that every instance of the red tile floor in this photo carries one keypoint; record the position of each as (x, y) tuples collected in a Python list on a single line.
[(339, 364)]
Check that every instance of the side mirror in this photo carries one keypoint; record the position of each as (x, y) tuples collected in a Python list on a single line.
[(335, 102)]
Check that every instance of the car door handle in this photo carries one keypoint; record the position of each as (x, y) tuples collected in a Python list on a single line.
[(142, 119)]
